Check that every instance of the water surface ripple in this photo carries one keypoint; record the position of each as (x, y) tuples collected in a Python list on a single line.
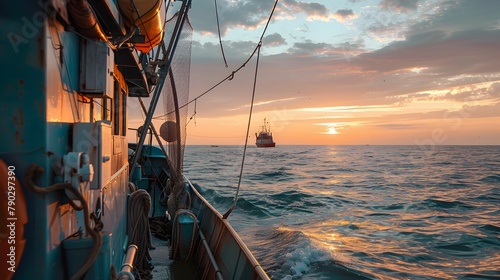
[(361, 212)]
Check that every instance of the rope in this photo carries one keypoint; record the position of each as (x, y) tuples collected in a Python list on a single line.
[(218, 31), (230, 76), (155, 133), (138, 231), (159, 226), (233, 205), (193, 116), (176, 237), (35, 171), (162, 76)]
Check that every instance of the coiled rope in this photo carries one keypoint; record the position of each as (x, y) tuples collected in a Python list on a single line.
[(139, 233), (176, 235)]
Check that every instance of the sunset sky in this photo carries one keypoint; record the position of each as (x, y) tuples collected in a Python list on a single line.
[(349, 72)]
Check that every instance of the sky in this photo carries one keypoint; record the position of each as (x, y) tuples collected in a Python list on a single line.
[(348, 72)]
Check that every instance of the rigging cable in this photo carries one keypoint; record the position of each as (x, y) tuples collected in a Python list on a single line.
[(246, 138), (218, 31), (233, 205), (193, 116), (230, 76), (163, 74)]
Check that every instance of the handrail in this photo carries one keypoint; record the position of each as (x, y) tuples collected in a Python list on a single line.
[(244, 249), (210, 255), (128, 264)]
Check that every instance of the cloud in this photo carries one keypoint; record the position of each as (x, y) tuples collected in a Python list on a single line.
[(471, 93), (465, 112), (480, 111), (403, 120), (404, 6), (353, 47), (310, 48), (232, 15), (443, 54), (451, 16), (399, 126), (343, 51), (249, 14), (313, 10), (396, 19), (344, 15), (387, 30), (274, 40), (420, 66), (235, 51), (263, 103)]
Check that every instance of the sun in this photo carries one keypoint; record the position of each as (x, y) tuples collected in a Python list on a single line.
[(332, 130)]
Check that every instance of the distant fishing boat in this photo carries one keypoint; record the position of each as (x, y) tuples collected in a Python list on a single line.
[(265, 137)]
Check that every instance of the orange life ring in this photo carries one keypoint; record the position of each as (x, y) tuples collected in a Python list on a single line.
[(15, 215)]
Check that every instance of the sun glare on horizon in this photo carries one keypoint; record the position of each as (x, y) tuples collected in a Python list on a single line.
[(332, 130)]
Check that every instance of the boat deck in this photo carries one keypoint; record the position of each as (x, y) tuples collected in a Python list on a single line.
[(167, 269), (160, 259)]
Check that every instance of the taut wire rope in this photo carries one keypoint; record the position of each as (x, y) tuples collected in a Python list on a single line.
[(233, 205), (235, 200), (218, 31), (230, 76)]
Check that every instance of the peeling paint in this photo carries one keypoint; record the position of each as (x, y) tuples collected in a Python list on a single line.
[(19, 138), (18, 119)]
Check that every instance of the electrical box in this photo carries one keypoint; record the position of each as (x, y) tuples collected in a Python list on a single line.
[(96, 69), (95, 139)]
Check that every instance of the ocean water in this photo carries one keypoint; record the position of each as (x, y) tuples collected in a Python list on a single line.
[(360, 212)]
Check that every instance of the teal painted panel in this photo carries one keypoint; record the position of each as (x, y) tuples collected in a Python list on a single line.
[(77, 251)]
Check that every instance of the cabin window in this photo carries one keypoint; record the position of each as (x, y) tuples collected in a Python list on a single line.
[(119, 116), (107, 109), (124, 113), (116, 117), (101, 109)]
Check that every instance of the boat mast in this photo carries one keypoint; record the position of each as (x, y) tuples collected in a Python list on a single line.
[(163, 71)]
